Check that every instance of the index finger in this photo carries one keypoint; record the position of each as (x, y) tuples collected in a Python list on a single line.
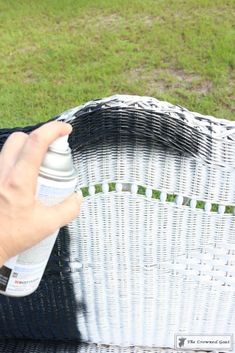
[(35, 148)]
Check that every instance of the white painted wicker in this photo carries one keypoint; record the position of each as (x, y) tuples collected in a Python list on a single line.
[(152, 253), (23, 346), (147, 265)]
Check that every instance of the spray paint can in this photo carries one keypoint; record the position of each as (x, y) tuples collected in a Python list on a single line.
[(21, 274)]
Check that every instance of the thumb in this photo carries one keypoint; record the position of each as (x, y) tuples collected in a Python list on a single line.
[(61, 214)]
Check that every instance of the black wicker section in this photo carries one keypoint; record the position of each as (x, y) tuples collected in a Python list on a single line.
[(112, 124), (28, 346), (131, 124), (51, 311)]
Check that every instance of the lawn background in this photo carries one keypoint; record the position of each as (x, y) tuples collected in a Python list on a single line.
[(57, 54)]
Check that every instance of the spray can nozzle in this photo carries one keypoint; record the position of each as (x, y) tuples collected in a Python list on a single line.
[(60, 145)]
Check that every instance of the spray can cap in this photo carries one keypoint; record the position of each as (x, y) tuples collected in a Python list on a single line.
[(60, 145), (58, 163)]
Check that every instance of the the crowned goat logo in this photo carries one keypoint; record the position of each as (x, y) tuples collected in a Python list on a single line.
[(219, 343), (181, 341)]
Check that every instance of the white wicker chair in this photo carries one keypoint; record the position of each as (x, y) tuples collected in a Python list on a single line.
[(152, 253)]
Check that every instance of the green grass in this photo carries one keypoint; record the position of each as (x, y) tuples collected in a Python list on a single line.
[(56, 54)]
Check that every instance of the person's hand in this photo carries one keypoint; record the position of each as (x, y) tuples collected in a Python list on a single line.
[(24, 221)]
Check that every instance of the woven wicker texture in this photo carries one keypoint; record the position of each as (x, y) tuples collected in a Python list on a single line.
[(134, 270), (14, 346), (17, 346)]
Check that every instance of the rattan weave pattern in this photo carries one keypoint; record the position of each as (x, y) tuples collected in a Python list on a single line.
[(131, 270), (139, 284), (221, 128), (174, 126), (160, 171), (73, 347)]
